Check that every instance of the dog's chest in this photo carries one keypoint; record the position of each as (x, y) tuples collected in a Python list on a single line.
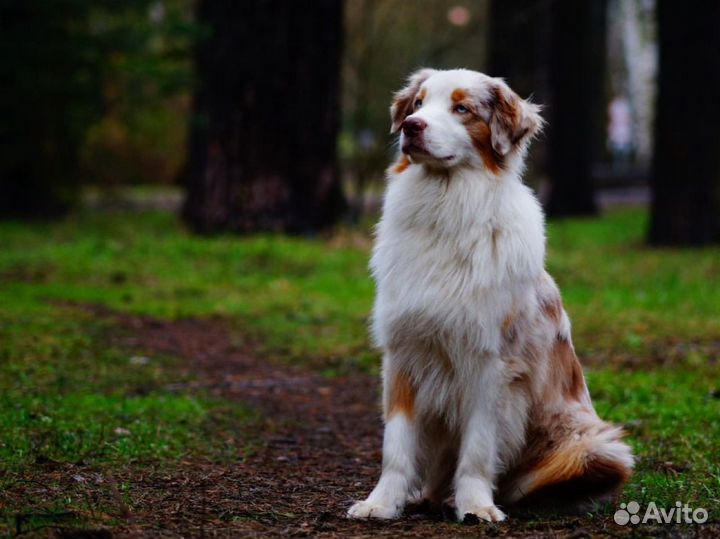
[(437, 292), (452, 267), (420, 263)]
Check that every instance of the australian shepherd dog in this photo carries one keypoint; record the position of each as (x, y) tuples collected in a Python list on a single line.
[(484, 400)]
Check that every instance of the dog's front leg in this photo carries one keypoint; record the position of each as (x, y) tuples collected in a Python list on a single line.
[(475, 474), (400, 451)]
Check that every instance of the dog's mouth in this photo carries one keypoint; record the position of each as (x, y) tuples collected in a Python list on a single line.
[(414, 149)]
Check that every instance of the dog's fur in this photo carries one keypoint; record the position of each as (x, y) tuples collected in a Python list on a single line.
[(484, 398)]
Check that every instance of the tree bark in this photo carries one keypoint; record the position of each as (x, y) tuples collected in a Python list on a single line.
[(577, 106), (262, 150), (685, 208), (48, 97)]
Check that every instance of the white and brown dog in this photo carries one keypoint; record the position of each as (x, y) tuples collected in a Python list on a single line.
[(484, 398)]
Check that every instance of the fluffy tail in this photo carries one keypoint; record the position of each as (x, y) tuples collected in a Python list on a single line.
[(583, 466)]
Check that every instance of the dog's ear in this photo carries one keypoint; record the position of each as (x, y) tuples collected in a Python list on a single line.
[(513, 120), (404, 99)]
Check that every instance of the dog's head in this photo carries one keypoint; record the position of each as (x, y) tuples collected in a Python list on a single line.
[(462, 117)]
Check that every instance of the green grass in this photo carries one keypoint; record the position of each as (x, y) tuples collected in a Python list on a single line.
[(302, 296), (68, 396), (647, 321), (626, 298), (671, 416)]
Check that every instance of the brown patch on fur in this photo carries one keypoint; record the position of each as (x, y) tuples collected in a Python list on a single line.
[(561, 465), (401, 165), (481, 138), (402, 108), (508, 325), (567, 368), (404, 103), (479, 132), (571, 476), (507, 112), (552, 308), (421, 95), (521, 382), (509, 122), (458, 95), (494, 235), (402, 395)]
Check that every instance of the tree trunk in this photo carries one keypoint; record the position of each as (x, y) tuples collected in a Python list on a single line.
[(263, 139), (576, 110), (685, 206), (47, 100)]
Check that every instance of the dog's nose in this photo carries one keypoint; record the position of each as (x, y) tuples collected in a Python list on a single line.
[(413, 126)]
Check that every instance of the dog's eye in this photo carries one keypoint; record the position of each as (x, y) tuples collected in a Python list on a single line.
[(460, 109), (418, 103)]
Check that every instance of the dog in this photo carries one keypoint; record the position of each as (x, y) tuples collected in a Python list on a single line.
[(484, 399)]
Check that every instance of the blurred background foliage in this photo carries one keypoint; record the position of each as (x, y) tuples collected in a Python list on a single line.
[(141, 134), (93, 93), (116, 79), (111, 94)]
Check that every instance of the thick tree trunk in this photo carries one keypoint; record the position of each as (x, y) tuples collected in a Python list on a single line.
[(576, 110), (46, 100), (686, 164), (262, 143)]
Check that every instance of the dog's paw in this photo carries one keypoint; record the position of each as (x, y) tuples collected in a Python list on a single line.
[(472, 515), (367, 509)]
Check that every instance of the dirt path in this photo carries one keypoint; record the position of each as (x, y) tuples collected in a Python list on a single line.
[(319, 450)]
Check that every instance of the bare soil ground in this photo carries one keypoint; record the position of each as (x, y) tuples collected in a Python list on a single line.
[(317, 447)]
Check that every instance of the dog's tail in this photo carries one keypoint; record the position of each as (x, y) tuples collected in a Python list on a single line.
[(588, 464)]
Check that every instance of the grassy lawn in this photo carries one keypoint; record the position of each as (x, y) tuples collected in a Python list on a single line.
[(646, 322)]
